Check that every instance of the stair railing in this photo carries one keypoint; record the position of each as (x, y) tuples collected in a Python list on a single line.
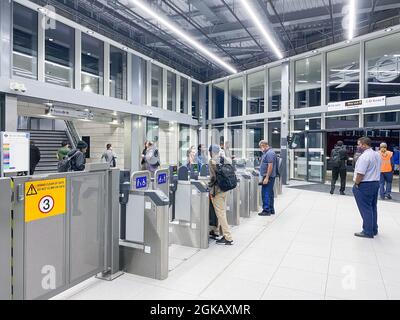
[(72, 133)]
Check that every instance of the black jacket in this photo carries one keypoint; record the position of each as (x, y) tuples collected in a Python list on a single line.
[(78, 160), (34, 155), (342, 155)]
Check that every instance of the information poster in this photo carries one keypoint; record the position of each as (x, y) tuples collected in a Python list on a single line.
[(14, 152)]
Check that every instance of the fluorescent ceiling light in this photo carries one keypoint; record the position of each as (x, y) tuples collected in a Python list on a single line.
[(261, 28), (352, 19), (184, 36)]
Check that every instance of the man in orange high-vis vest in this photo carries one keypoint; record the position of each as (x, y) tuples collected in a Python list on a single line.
[(386, 172)]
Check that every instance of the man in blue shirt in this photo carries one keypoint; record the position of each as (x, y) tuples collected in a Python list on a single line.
[(366, 186), (267, 178)]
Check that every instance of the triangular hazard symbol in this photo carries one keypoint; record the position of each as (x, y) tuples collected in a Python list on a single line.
[(31, 191)]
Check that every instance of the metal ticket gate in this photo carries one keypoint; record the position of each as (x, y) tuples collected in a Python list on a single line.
[(245, 182), (144, 230), (64, 226), (233, 205), (191, 222), (5, 239), (161, 181), (255, 191)]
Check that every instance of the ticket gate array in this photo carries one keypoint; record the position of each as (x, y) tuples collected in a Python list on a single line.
[(144, 228), (190, 222)]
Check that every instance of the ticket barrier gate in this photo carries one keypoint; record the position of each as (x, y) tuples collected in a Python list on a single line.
[(144, 229), (191, 220), (63, 231), (245, 185), (255, 191)]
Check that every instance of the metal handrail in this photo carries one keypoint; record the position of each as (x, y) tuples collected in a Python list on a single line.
[(72, 133)]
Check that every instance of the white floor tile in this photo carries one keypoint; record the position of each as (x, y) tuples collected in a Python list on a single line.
[(306, 263), (299, 280), (390, 275), (278, 293), (252, 271), (366, 272), (311, 249), (393, 292)]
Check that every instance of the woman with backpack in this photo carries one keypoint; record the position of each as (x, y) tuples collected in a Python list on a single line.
[(218, 198), (77, 157), (152, 158)]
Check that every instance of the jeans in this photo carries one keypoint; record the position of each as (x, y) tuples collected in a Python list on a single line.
[(267, 194), (366, 196), (336, 172), (386, 178)]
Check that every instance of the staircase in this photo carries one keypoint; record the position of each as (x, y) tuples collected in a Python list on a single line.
[(48, 143)]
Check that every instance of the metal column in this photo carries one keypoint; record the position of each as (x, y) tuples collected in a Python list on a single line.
[(5, 239)]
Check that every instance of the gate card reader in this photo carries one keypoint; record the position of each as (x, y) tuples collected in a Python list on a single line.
[(144, 237), (190, 222)]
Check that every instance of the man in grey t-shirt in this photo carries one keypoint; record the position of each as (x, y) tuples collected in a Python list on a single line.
[(109, 156), (267, 178), (366, 187)]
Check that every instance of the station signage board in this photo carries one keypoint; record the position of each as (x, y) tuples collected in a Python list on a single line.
[(14, 152), (357, 104)]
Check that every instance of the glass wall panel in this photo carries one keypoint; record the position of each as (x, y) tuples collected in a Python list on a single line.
[(343, 72), (218, 100), (308, 82), (144, 80), (255, 92), (195, 100), (235, 91), (60, 55), (152, 130), (274, 133), (184, 143), (233, 145), (382, 119), (118, 73), (313, 124), (168, 143), (156, 86), (217, 134), (25, 42), (274, 89), (184, 95), (340, 122), (382, 66), (254, 134), (92, 74), (171, 91)]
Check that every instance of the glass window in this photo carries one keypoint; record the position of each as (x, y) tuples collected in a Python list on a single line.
[(274, 133), (217, 134), (156, 86), (60, 55), (382, 64), (218, 100), (254, 134), (118, 73), (152, 129), (25, 42), (235, 90), (144, 80), (343, 71), (308, 82), (340, 122), (313, 124), (233, 145), (184, 143), (171, 91), (195, 100), (255, 92), (92, 64), (382, 119), (184, 95), (274, 89)]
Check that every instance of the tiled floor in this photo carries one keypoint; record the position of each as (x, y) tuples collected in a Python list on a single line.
[(307, 251)]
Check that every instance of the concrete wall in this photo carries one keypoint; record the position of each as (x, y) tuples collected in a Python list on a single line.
[(101, 134)]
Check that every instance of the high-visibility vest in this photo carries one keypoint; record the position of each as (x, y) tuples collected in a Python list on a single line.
[(386, 165)]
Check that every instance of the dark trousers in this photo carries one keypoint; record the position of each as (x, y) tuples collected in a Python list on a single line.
[(336, 172), (366, 196), (386, 179), (267, 194)]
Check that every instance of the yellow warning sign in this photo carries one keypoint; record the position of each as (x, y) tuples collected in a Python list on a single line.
[(44, 199)]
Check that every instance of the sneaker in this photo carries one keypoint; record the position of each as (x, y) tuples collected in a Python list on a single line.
[(224, 241), (264, 213), (342, 193), (213, 235), (363, 235), (331, 192), (389, 196)]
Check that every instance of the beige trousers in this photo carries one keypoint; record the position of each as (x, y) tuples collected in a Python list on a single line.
[(219, 203)]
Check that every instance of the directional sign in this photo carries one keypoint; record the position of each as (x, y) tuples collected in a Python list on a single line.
[(162, 178), (141, 182), (44, 199)]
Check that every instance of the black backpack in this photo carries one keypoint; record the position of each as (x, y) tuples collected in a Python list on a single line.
[(226, 176), (336, 158), (65, 164)]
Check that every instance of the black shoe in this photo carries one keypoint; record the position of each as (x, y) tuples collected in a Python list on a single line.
[(332, 191), (383, 198), (389, 196), (264, 213), (224, 241), (363, 235), (375, 233), (213, 235), (342, 193), (272, 213)]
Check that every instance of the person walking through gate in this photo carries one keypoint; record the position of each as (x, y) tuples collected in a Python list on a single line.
[(109, 156), (338, 160), (387, 168), (268, 170), (366, 187), (218, 198)]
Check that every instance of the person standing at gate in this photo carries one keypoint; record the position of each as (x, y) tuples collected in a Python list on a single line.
[(338, 160), (387, 167), (366, 187), (268, 170)]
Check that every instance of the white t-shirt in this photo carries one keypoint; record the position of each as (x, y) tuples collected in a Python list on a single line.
[(368, 164)]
